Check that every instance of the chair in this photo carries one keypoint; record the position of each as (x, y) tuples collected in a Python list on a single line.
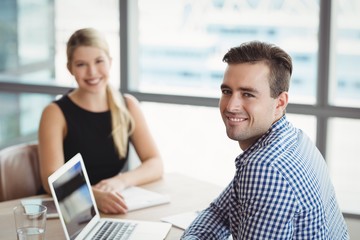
[(19, 171)]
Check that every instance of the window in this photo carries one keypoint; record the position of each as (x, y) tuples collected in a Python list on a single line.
[(344, 161), (20, 116), (345, 92), (183, 54), (345, 77), (26, 40), (171, 59)]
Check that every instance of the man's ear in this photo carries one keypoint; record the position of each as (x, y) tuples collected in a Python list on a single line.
[(283, 100)]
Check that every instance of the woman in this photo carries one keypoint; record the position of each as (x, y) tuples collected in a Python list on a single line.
[(98, 122)]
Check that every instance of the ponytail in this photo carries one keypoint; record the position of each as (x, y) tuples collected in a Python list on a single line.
[(122, 122)]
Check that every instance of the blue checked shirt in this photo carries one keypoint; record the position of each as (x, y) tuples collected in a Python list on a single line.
[(281, 190)]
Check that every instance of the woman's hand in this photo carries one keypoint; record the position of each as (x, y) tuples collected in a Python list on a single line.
[(111, 184), (110, 202)]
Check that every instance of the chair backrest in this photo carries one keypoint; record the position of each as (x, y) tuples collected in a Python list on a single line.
[(19, 172)]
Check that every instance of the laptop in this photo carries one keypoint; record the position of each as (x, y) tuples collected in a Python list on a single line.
[(79, 215)]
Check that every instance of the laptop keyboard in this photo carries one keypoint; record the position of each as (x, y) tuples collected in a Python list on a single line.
[(115, 230)]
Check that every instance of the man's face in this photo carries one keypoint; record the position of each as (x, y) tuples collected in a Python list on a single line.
[(246, 107)]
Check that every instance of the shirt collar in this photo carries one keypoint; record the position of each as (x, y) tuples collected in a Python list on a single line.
[(274, 130)]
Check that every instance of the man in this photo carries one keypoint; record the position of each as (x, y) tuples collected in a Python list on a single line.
[(281, 188)]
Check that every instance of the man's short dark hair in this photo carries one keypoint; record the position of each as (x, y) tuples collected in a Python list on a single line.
[(279, 62)]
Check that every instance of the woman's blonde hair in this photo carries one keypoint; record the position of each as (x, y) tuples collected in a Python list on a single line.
[(121, 120)]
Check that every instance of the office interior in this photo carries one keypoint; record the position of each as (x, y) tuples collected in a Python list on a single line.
[(168, 54)]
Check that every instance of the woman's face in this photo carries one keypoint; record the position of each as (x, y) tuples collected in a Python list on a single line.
[(90, 66)]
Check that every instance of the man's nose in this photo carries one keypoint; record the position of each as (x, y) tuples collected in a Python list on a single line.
[(234, 103)]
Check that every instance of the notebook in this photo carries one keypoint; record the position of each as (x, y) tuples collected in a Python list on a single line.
[(139, 198), (79, 215)]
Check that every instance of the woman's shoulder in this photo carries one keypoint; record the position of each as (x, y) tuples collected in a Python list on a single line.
[(130, 100), (64, 99), (52, 109), (52, 114), (129, 97), (55, 107)]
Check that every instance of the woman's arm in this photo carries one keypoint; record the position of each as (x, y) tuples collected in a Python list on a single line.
[(51, 134), (152, 166)]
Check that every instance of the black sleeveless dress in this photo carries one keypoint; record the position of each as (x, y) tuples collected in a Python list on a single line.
[(89, 133)]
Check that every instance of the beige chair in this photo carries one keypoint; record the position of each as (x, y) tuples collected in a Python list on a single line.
[(19, 171)]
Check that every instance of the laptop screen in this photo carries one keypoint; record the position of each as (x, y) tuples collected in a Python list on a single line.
[(74, 199)]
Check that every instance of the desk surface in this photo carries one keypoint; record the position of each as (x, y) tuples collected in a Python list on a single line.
[(186, 194)]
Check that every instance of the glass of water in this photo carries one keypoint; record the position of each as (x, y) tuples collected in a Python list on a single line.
[(30, 221)]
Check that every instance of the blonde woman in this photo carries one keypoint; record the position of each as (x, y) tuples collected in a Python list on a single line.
[(98, 122)]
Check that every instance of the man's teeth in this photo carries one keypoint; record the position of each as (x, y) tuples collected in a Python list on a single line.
[(237, 119)]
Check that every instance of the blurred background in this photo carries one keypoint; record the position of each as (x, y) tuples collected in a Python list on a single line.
[(168, 53)]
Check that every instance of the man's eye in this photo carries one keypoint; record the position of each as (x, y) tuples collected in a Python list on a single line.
[(80, 65), (248, 95), (226, 91)]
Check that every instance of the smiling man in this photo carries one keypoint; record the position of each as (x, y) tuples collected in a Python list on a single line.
[(281, 188)]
